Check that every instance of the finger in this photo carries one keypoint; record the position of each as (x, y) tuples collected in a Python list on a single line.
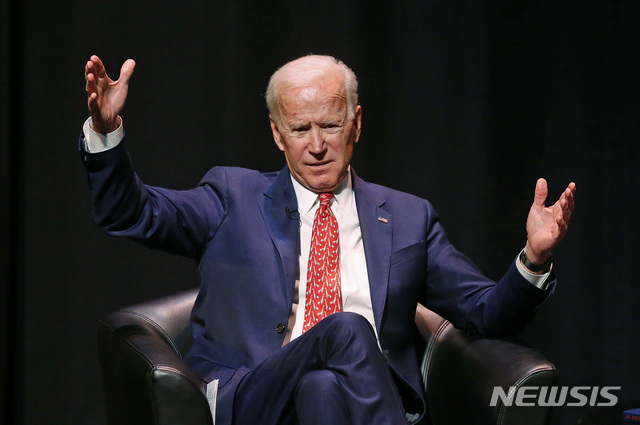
[(90, 85), (570, 199), (567, 198), (100, 70), (572, 188), (91, 75), (127, 71), (562, 219), (563, 214), (92, 103), (541, 192), (88, 68)]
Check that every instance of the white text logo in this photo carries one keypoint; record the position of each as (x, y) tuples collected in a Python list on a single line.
[(555, 396)]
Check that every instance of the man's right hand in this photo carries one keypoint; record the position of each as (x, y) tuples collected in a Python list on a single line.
[(106, 97)]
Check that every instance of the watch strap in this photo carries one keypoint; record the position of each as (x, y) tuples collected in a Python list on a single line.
[(544, 267)]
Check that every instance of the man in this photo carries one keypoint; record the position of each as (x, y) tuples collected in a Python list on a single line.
[(311, 276)]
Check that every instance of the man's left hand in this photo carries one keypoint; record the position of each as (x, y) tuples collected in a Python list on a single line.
[(547, 226)]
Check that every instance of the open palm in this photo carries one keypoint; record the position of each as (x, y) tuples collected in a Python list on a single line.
[(106, 97), (547, 226)]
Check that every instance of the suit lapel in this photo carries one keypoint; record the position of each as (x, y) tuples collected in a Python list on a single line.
[(280, 213), (376, 226)]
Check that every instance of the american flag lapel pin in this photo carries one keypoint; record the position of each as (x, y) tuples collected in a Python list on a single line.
[(382, 219)]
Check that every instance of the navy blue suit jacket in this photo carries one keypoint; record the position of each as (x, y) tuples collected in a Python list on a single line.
[(241, 227)]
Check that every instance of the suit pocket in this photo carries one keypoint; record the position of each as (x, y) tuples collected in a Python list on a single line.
[(409, 252)]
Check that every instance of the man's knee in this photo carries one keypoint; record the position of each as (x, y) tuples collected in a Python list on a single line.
[(346, 329), (348, 324)]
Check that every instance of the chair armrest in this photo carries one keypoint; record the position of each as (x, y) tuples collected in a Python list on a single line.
[(460, 373), (145, 379)]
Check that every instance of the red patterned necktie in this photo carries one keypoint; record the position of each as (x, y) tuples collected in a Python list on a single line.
[(324, 295)]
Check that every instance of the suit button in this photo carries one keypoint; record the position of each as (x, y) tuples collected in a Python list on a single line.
[(281, 328)]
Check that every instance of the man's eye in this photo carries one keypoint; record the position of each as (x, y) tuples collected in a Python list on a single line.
[(332, 127)]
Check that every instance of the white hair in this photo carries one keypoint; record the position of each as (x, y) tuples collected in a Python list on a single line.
[(304, 70)]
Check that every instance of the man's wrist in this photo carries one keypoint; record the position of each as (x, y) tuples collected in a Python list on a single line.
[(536, 279), (96, 142), (107, 127), (535, 267)]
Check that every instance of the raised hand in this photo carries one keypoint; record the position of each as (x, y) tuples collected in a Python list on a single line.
[(547, 226), (106, 97)]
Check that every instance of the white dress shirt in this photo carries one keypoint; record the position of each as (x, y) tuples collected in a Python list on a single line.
[(354, 280)]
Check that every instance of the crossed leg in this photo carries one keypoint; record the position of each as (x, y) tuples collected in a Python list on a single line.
[(333, 374)]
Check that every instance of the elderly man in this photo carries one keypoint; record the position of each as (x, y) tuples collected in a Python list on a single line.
[(310, 276)]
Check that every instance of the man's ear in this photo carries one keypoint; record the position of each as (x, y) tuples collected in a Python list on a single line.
[(277, 137), (357, 123)]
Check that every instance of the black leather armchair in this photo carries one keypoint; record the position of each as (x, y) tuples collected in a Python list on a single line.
[(146, 381)]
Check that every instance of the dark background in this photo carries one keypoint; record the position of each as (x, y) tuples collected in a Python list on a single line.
[(466, 103)]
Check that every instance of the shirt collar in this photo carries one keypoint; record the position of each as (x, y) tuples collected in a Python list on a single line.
[(307, 199)]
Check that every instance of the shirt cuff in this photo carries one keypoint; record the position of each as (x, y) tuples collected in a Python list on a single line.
[(95, 142), (538, 280)]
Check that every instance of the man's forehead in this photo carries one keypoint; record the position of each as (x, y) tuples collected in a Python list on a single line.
[(308, 93), (317, 92)]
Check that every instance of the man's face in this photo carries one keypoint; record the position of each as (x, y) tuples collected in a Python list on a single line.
[(315, 133)]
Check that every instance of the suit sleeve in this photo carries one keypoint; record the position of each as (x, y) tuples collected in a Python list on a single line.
[(457, 290), (180, 222)]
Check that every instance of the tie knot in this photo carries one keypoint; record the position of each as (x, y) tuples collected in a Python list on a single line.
[(325, 198)]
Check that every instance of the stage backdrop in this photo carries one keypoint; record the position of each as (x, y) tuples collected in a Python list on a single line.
[(465, 103)]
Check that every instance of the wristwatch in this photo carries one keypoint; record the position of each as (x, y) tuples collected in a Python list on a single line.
[(544, 267)]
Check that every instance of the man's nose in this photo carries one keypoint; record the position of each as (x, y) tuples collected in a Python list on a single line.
[(316, 142)]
